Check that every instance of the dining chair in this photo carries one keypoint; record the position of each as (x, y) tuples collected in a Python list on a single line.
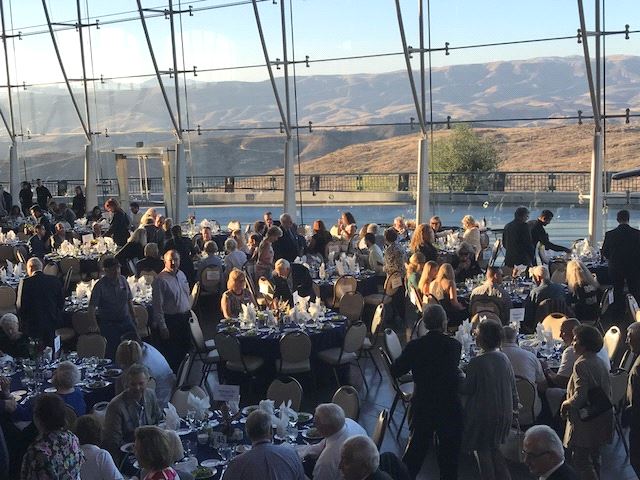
[(553, 322), (7, 252), (207, 355), (628, 358), (210, 280), (348, 399), (344, 284), (142, 321), (229, 350), (613, 340), (633, 306), (182, 376), (180, 398), (195, 295), (51, 269), (347, 353), (494, 252), (66, 284), (267, 291), (284, 389), (393, 348), (351, 306), (619, 381), (381, 428), (371, 340), (7, 300), (552, 305), (84, 323), (71, 264), (404, 391), (484, 304), (295, 353), (392, 284), (415, 297), (21, 254), (527, 393), (91, 345)]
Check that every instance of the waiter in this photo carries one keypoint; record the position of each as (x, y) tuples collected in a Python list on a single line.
[(539, 234)]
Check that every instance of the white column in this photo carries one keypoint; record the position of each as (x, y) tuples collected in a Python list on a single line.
[(422, 191), (289, 180), (90, 187), (596, 194), (122, 175), (182, 197), (168, 184), (14, 174)]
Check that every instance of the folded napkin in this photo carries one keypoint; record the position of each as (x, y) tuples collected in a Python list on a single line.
[(3, 275), (340, 267), (76, 242), (172, 419), (248, 313), (81, 222), (11, 236), (539, 335), (351, 262), (520, 269), (3, 237), (200, 405), (266, 406), (17, 270), (322, 271), (282, 422), (9, 267)]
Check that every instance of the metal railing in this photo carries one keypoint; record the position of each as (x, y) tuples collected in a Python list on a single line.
[(439, 182)]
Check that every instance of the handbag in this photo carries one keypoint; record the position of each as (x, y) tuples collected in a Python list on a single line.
[(597, 403), (511, 449)]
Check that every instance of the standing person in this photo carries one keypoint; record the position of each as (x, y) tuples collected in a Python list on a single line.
[(40, 303), (435, 405), (112, 298), (516, 239), (633, 397), (6, 202), (135, 215), (185, 249), (119, 226), (43, 195), (492, 400), (544, 454), (265, 254), (26, 198), (287, 246), (622, 248), (79, 204), (539, 234), (37, 245), (586, 437), (171, 310)]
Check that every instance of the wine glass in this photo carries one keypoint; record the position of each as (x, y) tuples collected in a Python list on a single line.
[(292, 432), (190, 418), (225, 452), (189, 447)]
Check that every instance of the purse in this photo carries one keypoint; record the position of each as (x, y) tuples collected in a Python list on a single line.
[(511, 449), (597, 403)]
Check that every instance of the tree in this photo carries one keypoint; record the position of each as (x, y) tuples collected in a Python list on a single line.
[(464, 151)]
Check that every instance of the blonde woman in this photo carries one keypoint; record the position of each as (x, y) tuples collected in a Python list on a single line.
[(471, 234), (150, 213), (444, 289), (583, 289), (422, 241), (429, 272), (239, 237), (414, 269), (236, 295)]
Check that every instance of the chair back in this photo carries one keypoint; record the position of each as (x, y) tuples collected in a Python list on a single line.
[(552, 305), (419, 330), (347, 397), (527, 394), (558, 271), (619, 381), (197, 337), (7, 297), (627, 360), (494, 252), (142, 320), (23, 236), (484, 304), (69, 263), (295, 347), (228, 348), (211, 279), (604, 301), (284, 389), (51, 269), (84, 323), (344, 284), (195, 295), (21, 254), (613, 341), (381, 427), (392, 283), (486, 315), (553, 322), (354, 337), (392, 344), (633, 305), (91, 345), (7, 252), (131, 266), (429, 299), (351, 306), (149, 276), (415, 297), (376, 322), (67, 281), (183, 370), (180, 398)]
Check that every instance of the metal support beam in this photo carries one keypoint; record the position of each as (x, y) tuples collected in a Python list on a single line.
[(14, 177), (596, 194), (422, 194)]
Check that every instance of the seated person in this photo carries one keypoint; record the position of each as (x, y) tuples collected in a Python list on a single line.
[(544, 289), (401, 228), (234, 257), (64, 379), (202, 238), (12, 341), (253, 242), (375, 258), (39, 218), (15, 215), (465, 264), (37, 245), (133, 408), (151, 261), (281, 281), (155, 452), (525, 364), (95, 215), (360, 459), (492, 289), (583, 289), (414, 269), (236, 294), (98, 463), (335, 429), (209, 258), (60, 235), (319, 240), (65, 214), (134, 351)]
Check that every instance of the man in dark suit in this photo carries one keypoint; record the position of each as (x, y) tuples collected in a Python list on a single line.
[(6, 202), (287, 245), (544, 454), (621, 248), (516, 239), (40, 303), (37, 243), (540, 235), (435, 405)]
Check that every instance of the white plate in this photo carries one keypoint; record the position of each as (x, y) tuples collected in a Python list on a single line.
[(211, 463), (183, 431), (127, 448), (242, 448), (19, 393), (50, 390), (305, 434), (249, 408)]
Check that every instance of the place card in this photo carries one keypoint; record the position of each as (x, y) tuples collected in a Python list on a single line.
[(610, 296), (87, 238), (516, 315), (226, 393), (57, 343)]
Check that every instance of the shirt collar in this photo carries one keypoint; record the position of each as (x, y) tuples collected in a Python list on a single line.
[(550, 472)]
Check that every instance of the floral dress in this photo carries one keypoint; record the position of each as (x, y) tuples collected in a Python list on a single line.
[(53, 456), (235, 301)]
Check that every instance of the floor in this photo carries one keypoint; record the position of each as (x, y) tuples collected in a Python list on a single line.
[(615, 464)]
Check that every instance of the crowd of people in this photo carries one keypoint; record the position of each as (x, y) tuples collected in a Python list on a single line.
[(153, 246)]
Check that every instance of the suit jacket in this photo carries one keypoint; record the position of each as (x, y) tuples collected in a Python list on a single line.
[(282, 290), (516, 239), (37, 246), (433, 359), (286, 246), (565, 472), (8, 201), (119, 228), (40, 303), (622, 248)]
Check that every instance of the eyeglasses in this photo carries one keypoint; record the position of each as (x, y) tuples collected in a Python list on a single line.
[(533, 455)]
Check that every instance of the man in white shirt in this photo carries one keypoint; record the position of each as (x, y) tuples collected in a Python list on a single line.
[(544, 455), (376, 257), (98, 463), (560, 379), (525, 364), (331, 423)]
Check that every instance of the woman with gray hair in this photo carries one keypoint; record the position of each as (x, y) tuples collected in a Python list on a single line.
[(234, 258), (12, 341)]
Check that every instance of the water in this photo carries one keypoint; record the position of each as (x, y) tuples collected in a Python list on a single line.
[(569, 222)]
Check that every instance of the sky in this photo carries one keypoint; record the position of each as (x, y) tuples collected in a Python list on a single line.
[(322, 29)]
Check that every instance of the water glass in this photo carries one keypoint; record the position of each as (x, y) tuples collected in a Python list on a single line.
[(191, 418), (292, 433), (225, 452), (189, 447)]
